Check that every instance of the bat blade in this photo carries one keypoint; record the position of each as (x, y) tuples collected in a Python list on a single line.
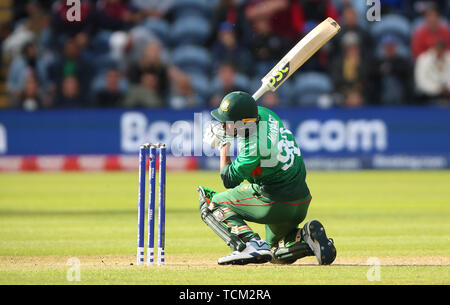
[(298, 55)]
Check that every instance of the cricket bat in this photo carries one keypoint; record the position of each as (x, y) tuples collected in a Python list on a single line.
[(298, 55)]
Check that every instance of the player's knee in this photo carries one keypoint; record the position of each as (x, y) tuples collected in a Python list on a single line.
[(206, 207), (221, 198)]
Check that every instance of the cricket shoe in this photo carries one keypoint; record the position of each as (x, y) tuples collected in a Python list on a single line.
[(283, 255), (291, 248), (323, 247), (257, 251)]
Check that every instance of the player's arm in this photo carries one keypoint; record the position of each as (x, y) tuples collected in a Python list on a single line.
[(225, 156), (233, 173), (230, 177)]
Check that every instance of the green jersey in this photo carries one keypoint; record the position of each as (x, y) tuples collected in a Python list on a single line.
[(270, 158)]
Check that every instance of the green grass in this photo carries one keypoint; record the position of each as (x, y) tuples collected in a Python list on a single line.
[(401, 218)]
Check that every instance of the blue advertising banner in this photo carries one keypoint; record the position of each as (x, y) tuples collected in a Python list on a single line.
[(328, 139)]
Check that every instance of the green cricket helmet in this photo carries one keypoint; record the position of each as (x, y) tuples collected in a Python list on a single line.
[(236, 106)]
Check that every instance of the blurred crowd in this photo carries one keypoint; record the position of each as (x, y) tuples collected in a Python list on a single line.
[(190, 53)]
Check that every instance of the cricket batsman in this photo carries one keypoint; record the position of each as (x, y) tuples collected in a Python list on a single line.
[(276, 195)]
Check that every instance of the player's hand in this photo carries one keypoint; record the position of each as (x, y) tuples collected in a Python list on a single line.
[(215, 135)]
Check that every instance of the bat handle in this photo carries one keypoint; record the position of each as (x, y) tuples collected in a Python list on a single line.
[(263, 89)]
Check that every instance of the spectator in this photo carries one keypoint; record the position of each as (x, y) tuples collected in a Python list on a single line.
[(111, 95), (349, 70), (350, 23), (113, 15), (432, 73), (266, 47), (298, 19), (127, 48), (248, 36), (151, 61), (224, 84), (5, 31), (419, 7), (21, 8), (227, 48), (182, 93), (30, 99), (394, 7), (353, 98), (21, 68), (71, 63), (16, 40), (63, 28), (70, 96), (392, 75), (232, 12), (306, 14), (37, 18), (270, 99), (432, 31), (29, 28), (144, 94), (277, 13)]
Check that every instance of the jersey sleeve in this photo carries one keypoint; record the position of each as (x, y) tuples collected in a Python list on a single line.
[(241, 168), (230, 177)]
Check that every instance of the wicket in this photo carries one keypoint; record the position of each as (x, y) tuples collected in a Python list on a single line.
[(151, 150)]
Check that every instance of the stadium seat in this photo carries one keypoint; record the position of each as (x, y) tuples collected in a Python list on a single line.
[(402, 49), (392, 24), (99, 83), (190, 8), (309, 87), (192, 59), (160, 28), (360, 7), (100, 42), (45, 38), (420, 21), (103, 63), (261, 68), (190, 30), (255, 83), (242, 81), (285, 93), (201, 85)]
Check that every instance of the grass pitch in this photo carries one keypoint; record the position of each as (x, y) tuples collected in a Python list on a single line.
[(50, 220)]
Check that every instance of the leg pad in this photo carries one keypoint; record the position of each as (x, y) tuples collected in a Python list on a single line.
[(232, 240)]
